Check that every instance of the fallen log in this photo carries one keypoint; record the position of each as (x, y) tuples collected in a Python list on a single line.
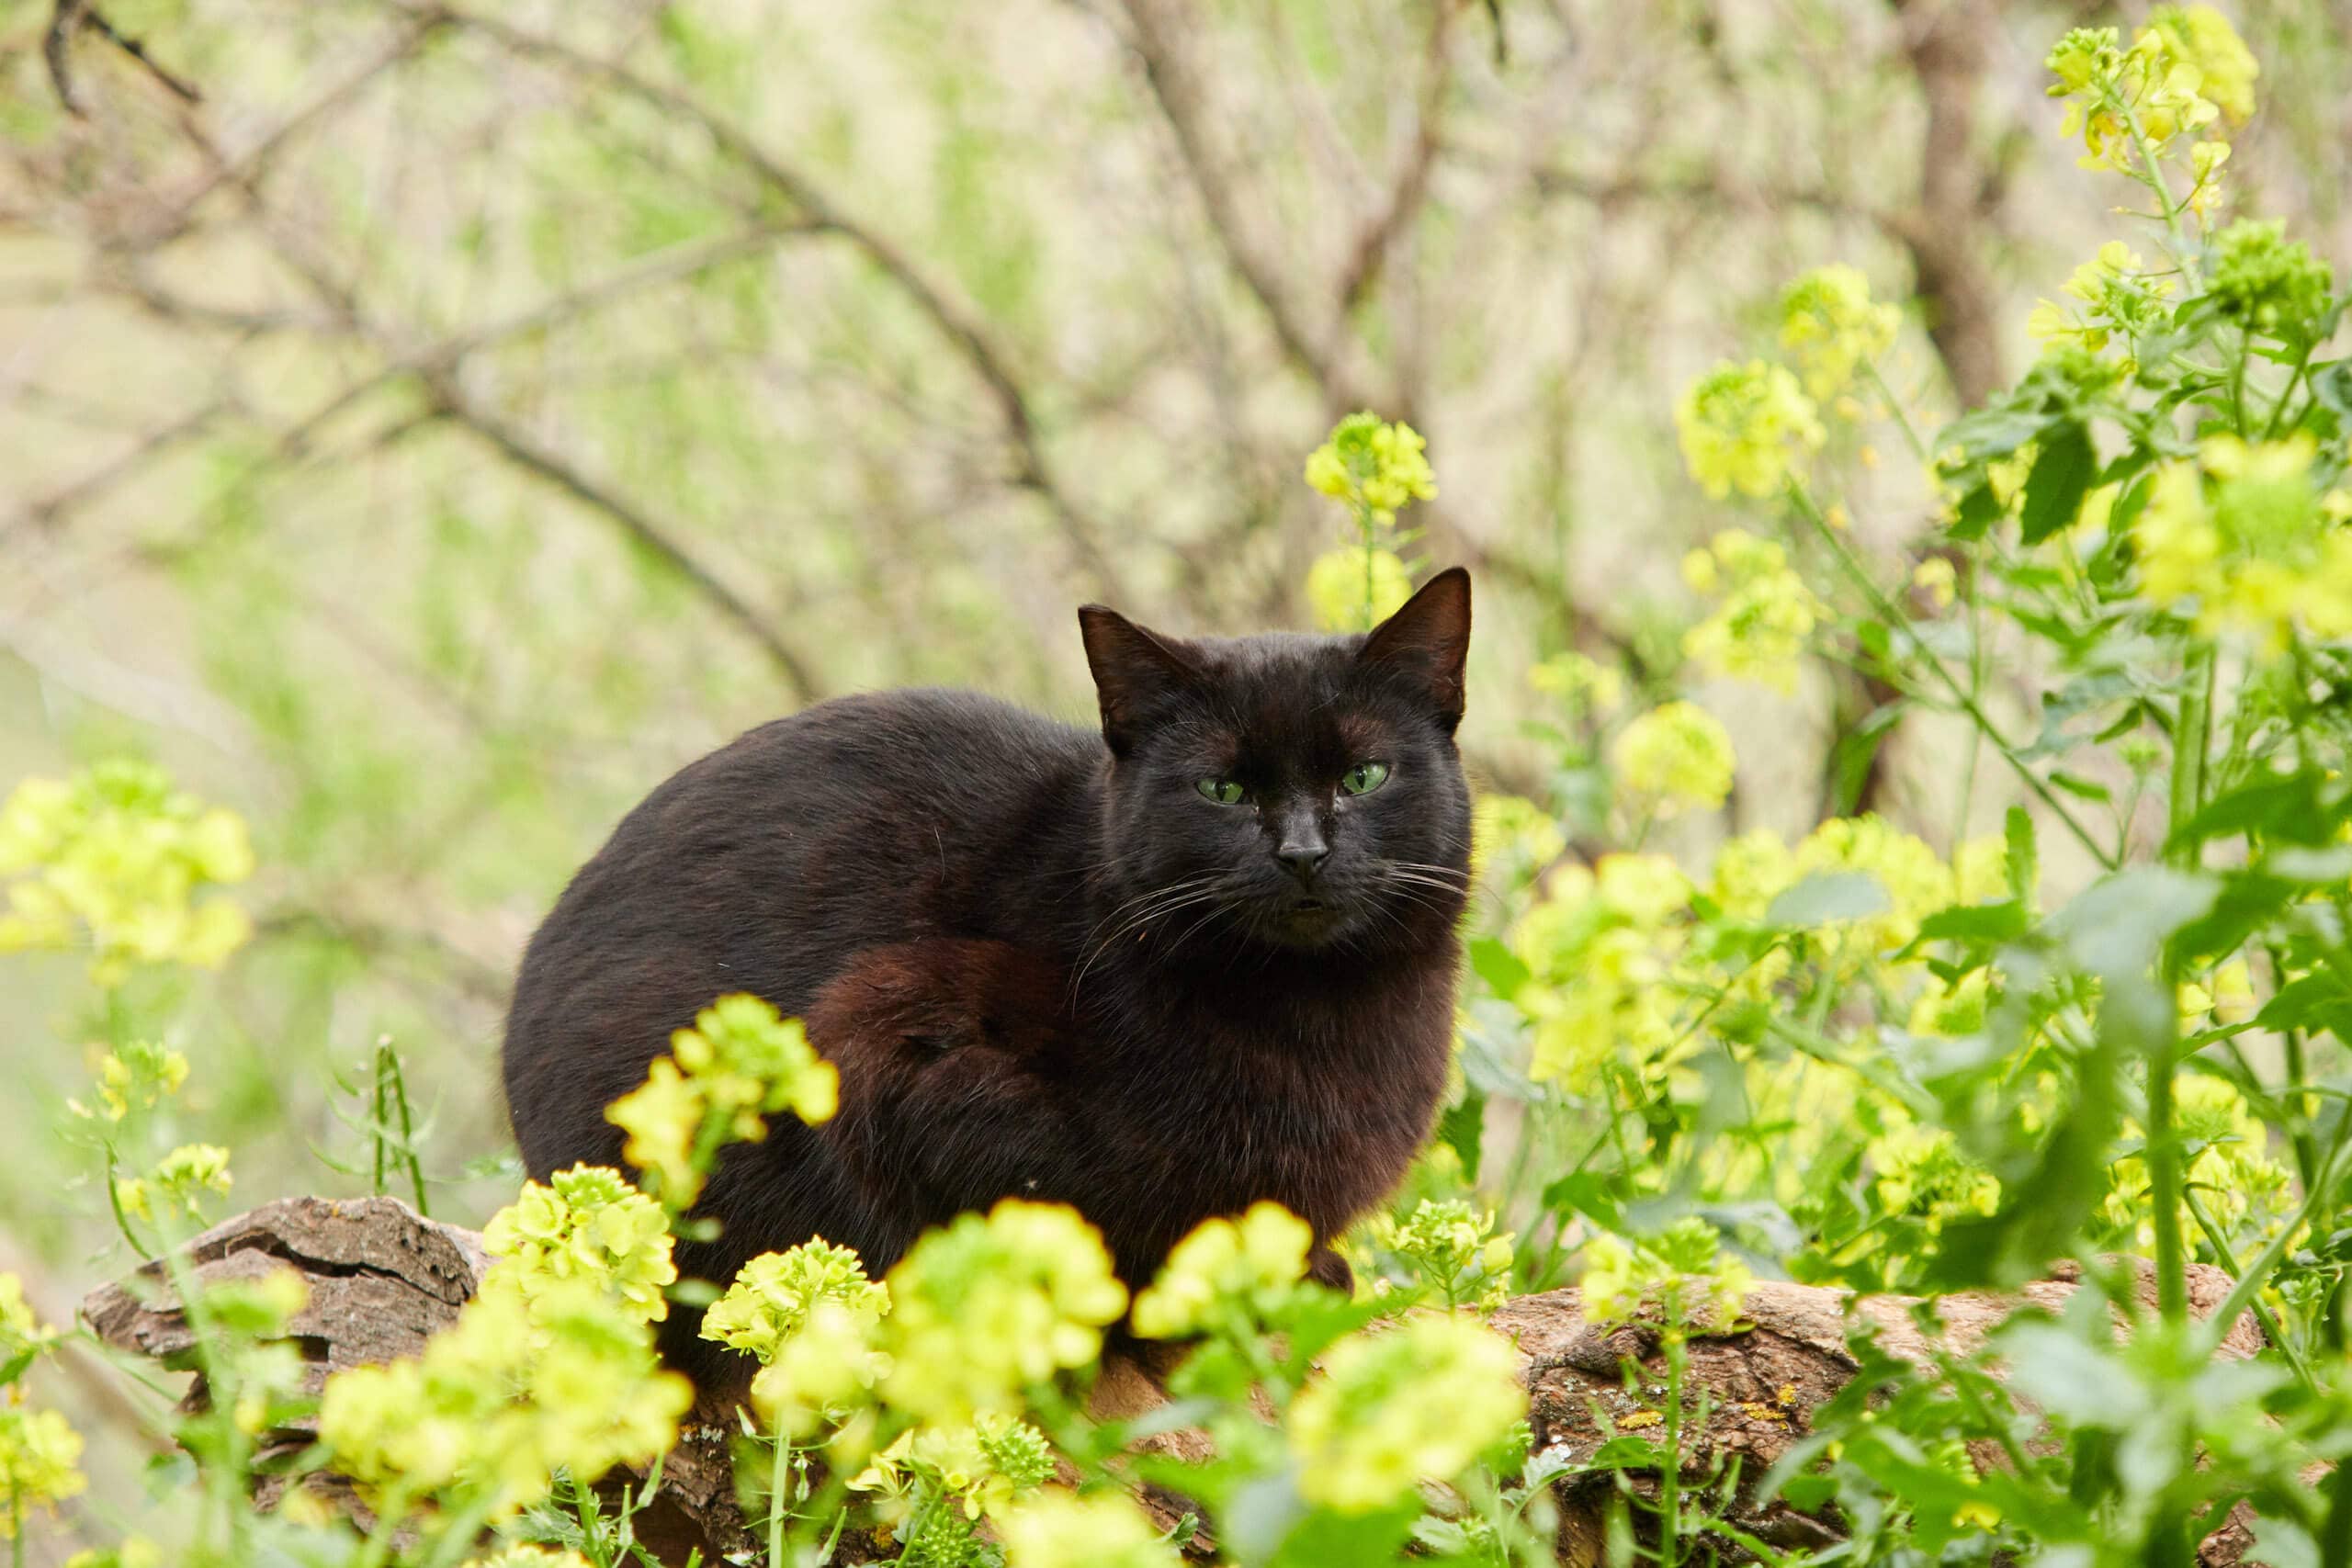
[(383, 1279)]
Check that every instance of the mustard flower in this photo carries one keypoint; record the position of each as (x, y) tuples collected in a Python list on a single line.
[(2116, 294), (986, 1307), (588, 1224), (1675, 756), (1766, 616), (1525, 836), (2110, 90), (22, 1335), (988, 1464), (1372, 465), (2203, 37), (135, 1077), (740, 1063), (1581, 682), (1246, 1268), (1742, 425), (819, 1373), (117, 858), (514, 1390), (2247, 1194), (1356, 587), (774, 1293), (1922, 1173), (1453, 1246), (1831, 328), (1679, 1275), (1599, 948), (1103, 1529), (1417, 1403), (2267, 282), (41, 1456), (2243, 533), (177, 1183), (530, 1557)]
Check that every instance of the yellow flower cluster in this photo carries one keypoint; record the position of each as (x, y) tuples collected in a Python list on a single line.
[(1766, 616), (118, 855), (22, 1335), (530, 1557), (1679, 1276), (774, 1295), (1675, 756), (1243, 1269), (2117, 294), (2247, 1194), (41, 1456), (1356, 587), (987, 1307), (1578, 682), (739, 1062), (134, 1079), (2112, 92), (2243, 532), (588, 1224), (1373, 466), (1102, 1530), (1515, 832), (1755, 868), (513, 1391), (1741, 427), (1831, 328), (177, 1183), (1454, 1246), (1417, 1403), (1922, 1173), (2202, 37), (1599, 949), (988, 1464)]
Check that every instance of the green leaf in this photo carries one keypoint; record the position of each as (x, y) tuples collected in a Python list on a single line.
[(1498, 966), (2292, 808), (1978, 510), (2322, 1000), (2054, 490), (2004, 922), (1463, 1127), (2076, 785), (1828, 895)]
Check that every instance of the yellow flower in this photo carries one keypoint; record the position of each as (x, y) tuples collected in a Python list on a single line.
[(2243, 534), (1454, 1247), (1766, 615), (21, 1333), (1102, 1530), (1679, 1274), (819, 1371), (1829, 324), (738, 1064), (1676, 755), (985, 1308), (774, 1293), (1373, 466), (134, 1078), (1354, 588), (119, 856), (1740, 425), (1516, 828), (1597, 948), (1580, 681), (39, 1456), (2110, 90), (1921, 1172), (990, 1463), (179, 1182), (2203, 37), (1223, 1267), (1418, 1402), (587, 1223), (1939, 580)]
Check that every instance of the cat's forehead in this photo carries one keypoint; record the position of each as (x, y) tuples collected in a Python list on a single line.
[(1283, 690)]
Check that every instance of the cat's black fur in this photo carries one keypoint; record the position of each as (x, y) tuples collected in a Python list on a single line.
[(1045, 964)]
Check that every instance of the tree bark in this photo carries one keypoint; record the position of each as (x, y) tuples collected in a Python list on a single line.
[(383, 1279)]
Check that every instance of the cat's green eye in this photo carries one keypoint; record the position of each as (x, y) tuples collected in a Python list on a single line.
[(1364, 777), (1225, 792)]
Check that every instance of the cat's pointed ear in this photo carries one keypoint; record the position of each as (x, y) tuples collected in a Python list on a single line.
[(1134, 669), (1429, 640)]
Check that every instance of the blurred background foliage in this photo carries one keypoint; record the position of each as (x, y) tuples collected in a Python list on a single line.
[(424, 428)]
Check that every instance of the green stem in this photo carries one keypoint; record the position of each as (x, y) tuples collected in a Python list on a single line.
[(2262, 1314), (1896, 619), (2165, 1188), (1670, 1478), (779, 1470), (2192, 732), (1902, 419)]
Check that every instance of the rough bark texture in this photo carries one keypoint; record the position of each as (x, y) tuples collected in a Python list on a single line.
[(382, 1280)]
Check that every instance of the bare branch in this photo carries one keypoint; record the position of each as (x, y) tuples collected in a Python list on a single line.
[(525, 453), (77, 16)]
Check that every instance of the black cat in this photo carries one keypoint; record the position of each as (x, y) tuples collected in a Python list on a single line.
[(1205, 957)]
